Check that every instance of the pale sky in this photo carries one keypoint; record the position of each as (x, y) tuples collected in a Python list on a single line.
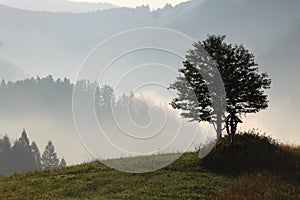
[(154, 4)]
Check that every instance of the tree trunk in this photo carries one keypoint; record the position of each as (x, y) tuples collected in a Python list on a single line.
[(219, 125), (232, 140)]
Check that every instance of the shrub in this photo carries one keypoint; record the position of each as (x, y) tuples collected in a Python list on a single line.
[(252, 153)]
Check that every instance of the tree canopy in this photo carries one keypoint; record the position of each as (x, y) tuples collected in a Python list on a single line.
[(244, 85)]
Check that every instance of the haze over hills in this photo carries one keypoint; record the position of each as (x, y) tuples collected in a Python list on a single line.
[(8, 71), (257, 24), (43, 43), (57, 5), (282, 62), (65, 39)]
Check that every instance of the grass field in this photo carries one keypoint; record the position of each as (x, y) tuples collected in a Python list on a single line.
[(257, 168)]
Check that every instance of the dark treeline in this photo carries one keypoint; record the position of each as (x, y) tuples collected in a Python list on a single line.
[(47, 94), (25, 156), (35, 95)]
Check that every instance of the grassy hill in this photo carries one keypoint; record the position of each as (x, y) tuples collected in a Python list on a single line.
[(257, 168)]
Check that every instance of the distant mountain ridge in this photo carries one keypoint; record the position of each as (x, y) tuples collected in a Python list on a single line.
[(64, 39), (57, 5)]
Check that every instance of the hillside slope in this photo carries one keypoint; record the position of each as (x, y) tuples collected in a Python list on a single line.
[(262, 170), (183, 180)]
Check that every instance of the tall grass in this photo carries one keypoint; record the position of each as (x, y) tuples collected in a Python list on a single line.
[(259, 186), (264, 168)]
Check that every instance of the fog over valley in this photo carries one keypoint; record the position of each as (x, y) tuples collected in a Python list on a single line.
[(58, 62)]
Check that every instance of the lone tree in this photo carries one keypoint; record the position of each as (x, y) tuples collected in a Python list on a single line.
[(49, 158), (244, 85)]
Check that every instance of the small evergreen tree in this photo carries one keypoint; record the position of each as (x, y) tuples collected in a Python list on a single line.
[(21, 155), (23, 140), (5, 145), (49, 158), (106, 97), (5, 155), (36, 154), (3, 84), (62, 163)]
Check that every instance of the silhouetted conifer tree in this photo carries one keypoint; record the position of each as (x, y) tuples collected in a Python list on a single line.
[(62, 163), (49, 158)]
